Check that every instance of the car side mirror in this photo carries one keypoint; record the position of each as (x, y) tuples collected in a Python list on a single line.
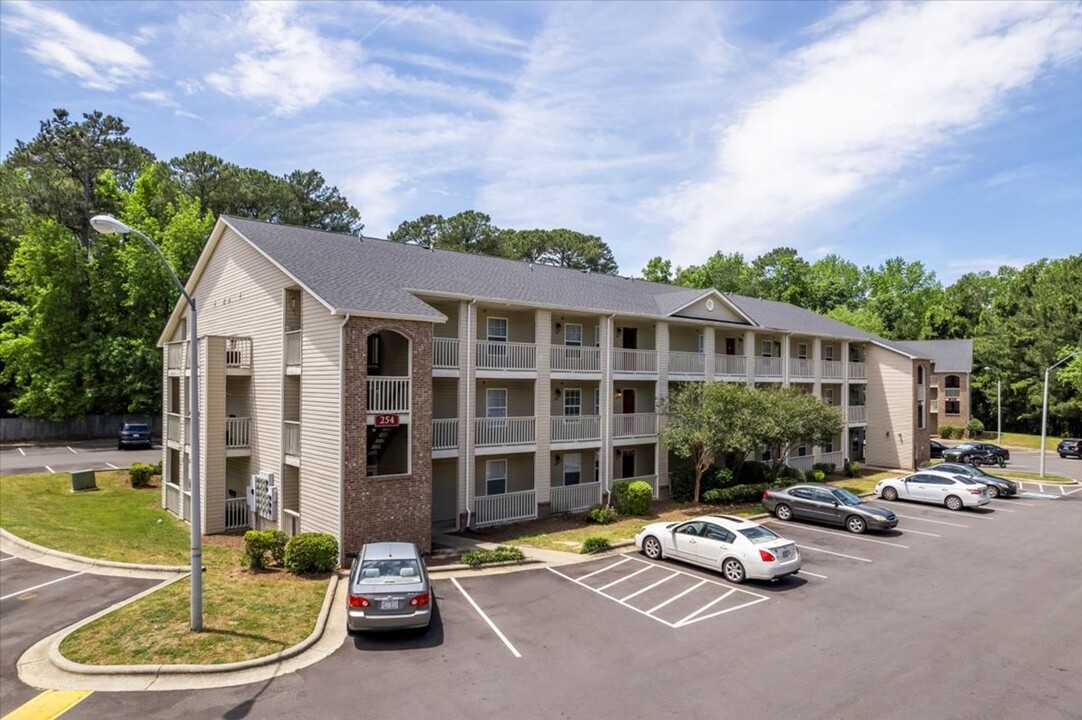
[(835, 503)]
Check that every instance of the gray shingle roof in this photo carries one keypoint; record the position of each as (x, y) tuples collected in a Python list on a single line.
[(948, 355)]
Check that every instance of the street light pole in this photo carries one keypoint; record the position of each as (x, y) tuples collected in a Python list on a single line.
[(108, 225), (999, 407), (1044, 406)]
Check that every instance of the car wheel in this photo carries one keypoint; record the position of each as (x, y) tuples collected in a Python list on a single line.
[(783, 512), (855, 524), (993, 491), (651, 547), (1002, 463), (733, 571), (953, 502), (119, 446), (967, 459), (890, 494), (1062, 456)]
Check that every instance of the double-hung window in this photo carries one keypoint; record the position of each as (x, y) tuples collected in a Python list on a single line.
[(496, 349), (802, 351), (573, 335), (767, 348), (572, 468), (829, 352), (495, 477), (573, 402), (597, 401)]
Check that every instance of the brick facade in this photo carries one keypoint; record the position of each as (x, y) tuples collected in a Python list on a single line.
[(393, 507)]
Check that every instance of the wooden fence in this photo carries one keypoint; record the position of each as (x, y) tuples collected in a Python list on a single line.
[(84, 428)]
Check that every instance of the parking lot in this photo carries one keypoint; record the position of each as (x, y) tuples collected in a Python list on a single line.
[(76, 455)]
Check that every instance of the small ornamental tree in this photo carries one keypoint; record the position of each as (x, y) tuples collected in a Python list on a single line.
[(788, 418)]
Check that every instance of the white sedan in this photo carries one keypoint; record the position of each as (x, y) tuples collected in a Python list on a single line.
[(939, 488), (738, 548)]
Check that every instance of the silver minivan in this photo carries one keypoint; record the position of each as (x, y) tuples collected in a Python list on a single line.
[(389, 589)]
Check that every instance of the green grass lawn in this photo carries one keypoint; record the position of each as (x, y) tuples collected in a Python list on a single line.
[(1022, 440), (246, 614)]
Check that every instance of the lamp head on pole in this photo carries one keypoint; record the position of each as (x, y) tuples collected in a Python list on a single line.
[(109, 225)]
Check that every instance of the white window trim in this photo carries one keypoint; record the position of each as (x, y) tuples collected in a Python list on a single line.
[(766, 347), (567, 393), (597, 401), (497, 338), (828, 353), (700, 343), (802, 351), (489, 406), (828, 395), (567, 465), (567, 332), (489, 465), (597, 336)]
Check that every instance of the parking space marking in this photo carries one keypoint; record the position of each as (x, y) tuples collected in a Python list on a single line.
[(918, 532), (36, 587), (943, 510), (676, 597), (937, 522), (9, 557), (48, 705), (831, 552), (21, 452), (48, 468), (1022, 504), (608, 567), (1003, 509), (760, 599), (849, 536), (1039, 495), (69, 447), (648, 587), (626, 577), (1064, 491), (706, 607), (809, 572), (484, 617), (112, 466)]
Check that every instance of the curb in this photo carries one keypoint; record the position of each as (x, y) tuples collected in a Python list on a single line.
[(15, 539), (461, 567)]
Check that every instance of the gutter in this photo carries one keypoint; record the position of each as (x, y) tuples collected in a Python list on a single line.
[(341, 440), (470, 459)]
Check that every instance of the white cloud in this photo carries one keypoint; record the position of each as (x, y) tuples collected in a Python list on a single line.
[(437, 23), (158, 97), (68, 47), (854, 109)]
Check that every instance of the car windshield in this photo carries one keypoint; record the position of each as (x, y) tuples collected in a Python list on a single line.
[(845, 497), (976, 471), (758, 534), (388, 572), (964, 446), (135, 427)]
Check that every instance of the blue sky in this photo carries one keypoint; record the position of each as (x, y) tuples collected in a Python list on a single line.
[(949, 133)]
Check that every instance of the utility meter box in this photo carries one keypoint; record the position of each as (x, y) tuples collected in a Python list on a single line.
[(83, 480)]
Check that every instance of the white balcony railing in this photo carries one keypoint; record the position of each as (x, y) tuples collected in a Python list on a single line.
[(506, 356), (238, 353), (445, 353), (293, 348), (573, 428), (634, 425), (236, 513), (952, 392), (570, 498), (445, 434), (172, 427), (566, 358), (802, 463), (504, 508), (835, 458), (291, 438), (650, 480), (642, 362), (768, 367), (176, 355), (801, 368), (858, 414), (172, 498), (490, 432), (387, 394), (687, 363), (833, 370), (857, 371), (238, 432), (734, 365)]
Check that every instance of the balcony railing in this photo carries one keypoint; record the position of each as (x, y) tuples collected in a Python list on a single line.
[(642, 362), (572, 358), (387, 394), (506, 356), (835, 458), (236, 513), (858, 414), (833, 370), (734, 365), (650, 480), (569, 498), (573, 428), (238, 432), (445, 353), (291, 438), (445, 434), (802, 463), (172, 427), (952, 392), (504, 508), (293, 348), (801, 368), (238, 353), (687, 363), (634, 425), (176, 355), (490, 432), (768, 367), (857, 371)]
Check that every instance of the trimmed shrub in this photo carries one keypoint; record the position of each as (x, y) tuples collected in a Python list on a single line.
[(753, 472), (139, 474), (790, 474), (739, 494), (975, 427), (595, 544), (640, 496), (826, 468), (503, 553), (602, 514), (816, 476), (157, 468), (681, 483), (311, 553), (852, 468), (262, 547), (723, 477)]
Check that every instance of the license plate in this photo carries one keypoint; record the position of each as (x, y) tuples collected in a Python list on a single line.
[(786, 553), (391, 604)]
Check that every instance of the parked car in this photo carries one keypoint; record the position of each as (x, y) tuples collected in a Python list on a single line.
[(824, 503), (738, 548), (389, 589), (939, 488), (133, 435), (978, 454), (938, 449), (997, 486), (1069, 446)]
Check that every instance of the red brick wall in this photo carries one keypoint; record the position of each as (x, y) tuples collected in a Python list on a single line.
[(396, 507)]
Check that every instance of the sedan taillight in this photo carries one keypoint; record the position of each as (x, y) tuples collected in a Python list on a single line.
[(356, 601), (975, 491), (421, 600), (766, 556)]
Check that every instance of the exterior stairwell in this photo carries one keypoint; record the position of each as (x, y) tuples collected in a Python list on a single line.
[(378, 440)]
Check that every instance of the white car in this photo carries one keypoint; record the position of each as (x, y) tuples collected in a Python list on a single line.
[(939, 488), (736, 547)]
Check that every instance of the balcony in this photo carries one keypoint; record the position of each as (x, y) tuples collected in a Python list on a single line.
[(730, 366), (505, 431), (768, 367), (634, 362), (238, 355), (293, 352), (291, 440), (444, 353), (576, 428), (572, 498), (176, 358), (575, 359), (504, 508), (833, 370), (803, 463), (858, 371), (236, 514), (687, 364), (858, 414), (506, 356), (634, 425), (238, 437), (801, 368), (650, 480), (445, 434), (834, 458), (388, 394), (173, 428)]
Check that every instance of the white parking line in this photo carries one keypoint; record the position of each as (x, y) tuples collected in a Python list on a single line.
[(808, 572), (112, 466), (676, 597), (918, 532), (706, 607), (69, 447), (944, 511), (21, 452), (36, 587), (49, 468), (1022, 504), (1003, 509), (1072, 492), (626, 577), (11, 557), (759, 599), (831, 552), (648, 587), (607, 567), (937, 522), (484, 617), (849, 536)]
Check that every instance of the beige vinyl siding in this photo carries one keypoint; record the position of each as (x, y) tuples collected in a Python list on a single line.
[(520, 396), (646, 337), (212, 429), (236, 476), (444, 483), (721, 312), (520, 323), (320, 424), (556, 404), (644, 460), (684, 338), (890, 404), (444, 398), (448, 329), (520, 469), (586, 462), (644, 396)]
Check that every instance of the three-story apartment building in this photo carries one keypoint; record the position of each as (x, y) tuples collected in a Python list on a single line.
[(375, 390)]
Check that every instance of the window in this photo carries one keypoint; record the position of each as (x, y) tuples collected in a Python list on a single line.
[(920, 374), (700, 344), (828, 395), (828, 352), (597, 336), (952, 381), (802, 451), (765, 457), (497, 329), (597, 467), (573, 401), (804, 493), (953, 407), (822, 496), (920, 414), (495, 477), (373, 352), (691, 528), (713, 532), (597, 401), (768, 348), (573, 334), (829, 447), (496, 402), (802, 351), (572, 468)]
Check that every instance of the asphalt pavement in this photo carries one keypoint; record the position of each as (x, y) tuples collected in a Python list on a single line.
[(76, 455)]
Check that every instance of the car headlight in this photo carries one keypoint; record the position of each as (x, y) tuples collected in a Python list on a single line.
[(880, 518)]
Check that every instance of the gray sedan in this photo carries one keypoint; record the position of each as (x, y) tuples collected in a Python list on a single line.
[(828, 504), (389, 589)]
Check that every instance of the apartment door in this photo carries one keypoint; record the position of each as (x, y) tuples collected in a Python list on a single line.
[(730, 346), (627, 462), (629, 401), (631, 338)]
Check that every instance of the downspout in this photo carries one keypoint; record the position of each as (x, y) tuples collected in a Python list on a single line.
[(341, 441), (470, 461)]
